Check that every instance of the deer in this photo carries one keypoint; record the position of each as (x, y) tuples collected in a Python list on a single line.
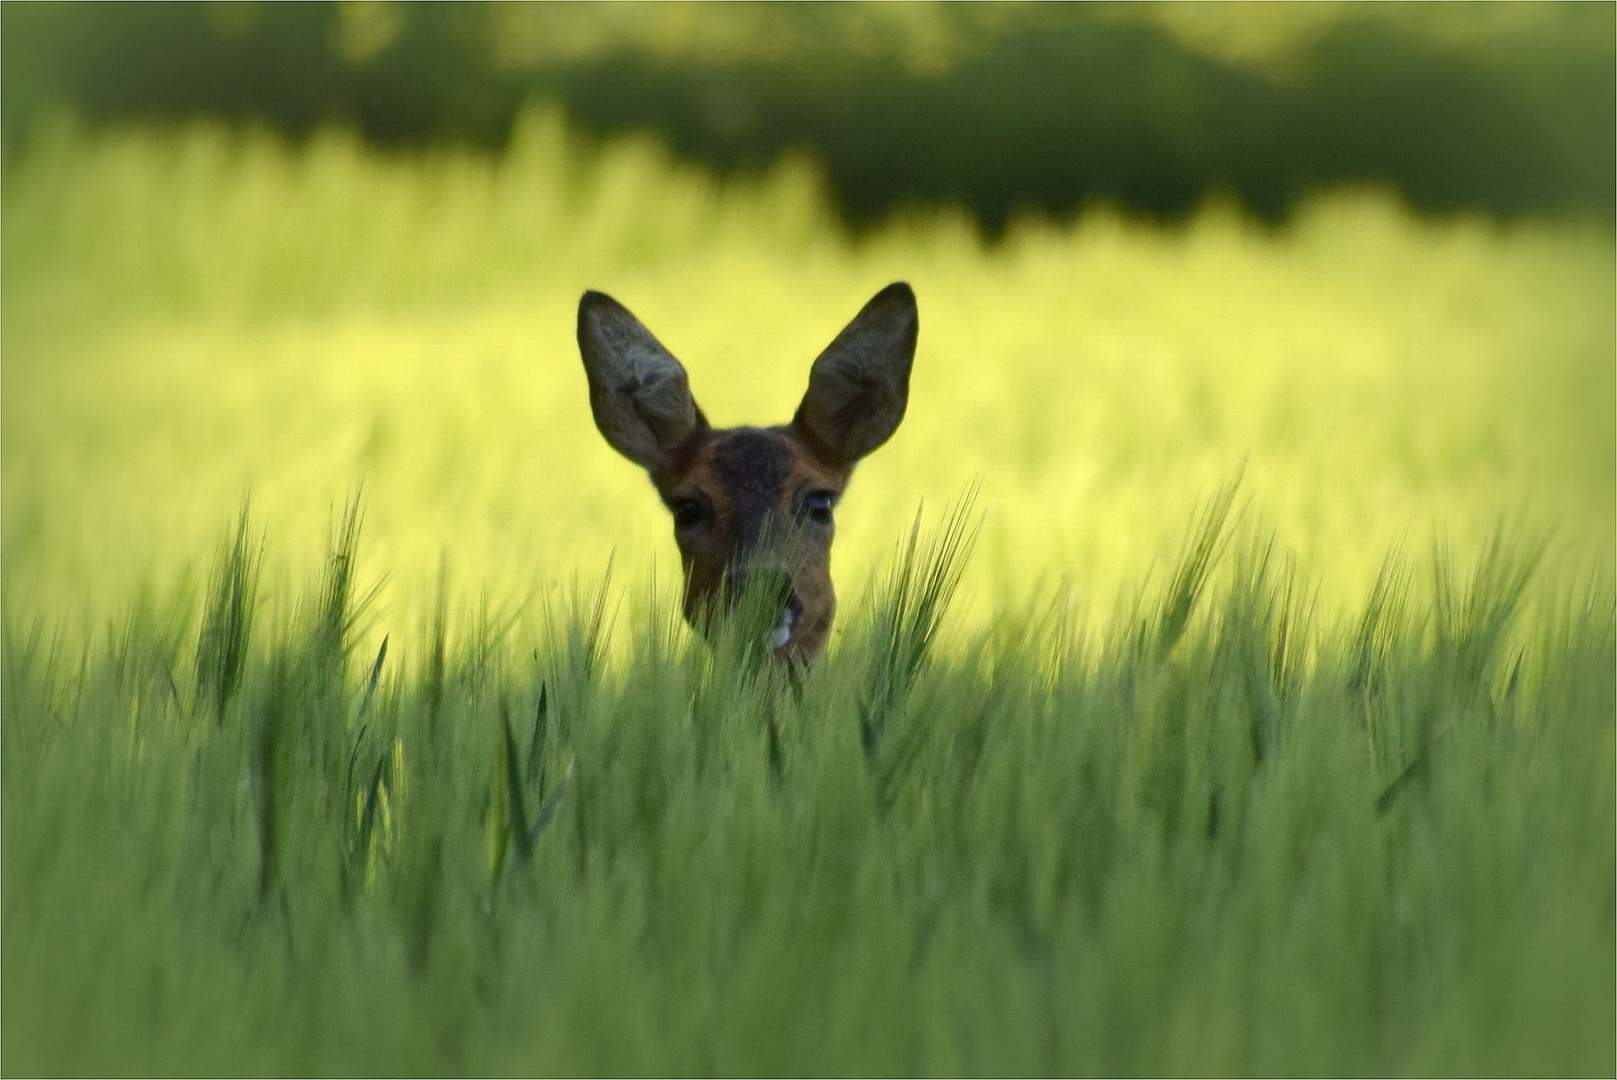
[(753, 506)]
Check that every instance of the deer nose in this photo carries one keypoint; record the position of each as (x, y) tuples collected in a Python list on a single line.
[(791, 609)]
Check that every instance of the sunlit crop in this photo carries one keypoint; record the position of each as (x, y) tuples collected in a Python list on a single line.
[(1269, 728), (200, 317)]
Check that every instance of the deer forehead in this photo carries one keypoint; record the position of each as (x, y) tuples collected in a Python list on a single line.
[(749, 472)]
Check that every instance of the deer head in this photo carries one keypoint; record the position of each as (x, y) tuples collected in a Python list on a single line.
[(753, 507)]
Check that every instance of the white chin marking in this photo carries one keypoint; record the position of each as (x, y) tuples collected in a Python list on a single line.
[(782, 633)]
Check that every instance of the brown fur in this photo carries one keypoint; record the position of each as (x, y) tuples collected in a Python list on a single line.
[(750, 501)]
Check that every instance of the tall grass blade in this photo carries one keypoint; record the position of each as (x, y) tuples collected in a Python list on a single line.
[(340, 618), (547, 811), (227, 625), (437, 647), (1472, 623), (909, 609), (1189, 581), (535, 770), (370, 683), (515, 793)]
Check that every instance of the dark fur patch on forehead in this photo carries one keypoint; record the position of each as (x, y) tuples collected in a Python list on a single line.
[(751, 464)]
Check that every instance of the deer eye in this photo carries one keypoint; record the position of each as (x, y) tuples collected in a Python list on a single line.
[(688, 513), (817, 506)]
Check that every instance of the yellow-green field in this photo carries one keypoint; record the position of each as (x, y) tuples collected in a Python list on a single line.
[(195, 316), (1354, 822)]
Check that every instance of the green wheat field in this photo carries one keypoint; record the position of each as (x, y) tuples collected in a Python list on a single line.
[(1224, 681)]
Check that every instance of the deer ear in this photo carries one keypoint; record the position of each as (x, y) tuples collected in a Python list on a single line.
[(638, 391), (861, 382)]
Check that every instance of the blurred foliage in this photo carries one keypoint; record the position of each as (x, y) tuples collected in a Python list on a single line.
[(1225, 837), (1506, 107), (195, 314)]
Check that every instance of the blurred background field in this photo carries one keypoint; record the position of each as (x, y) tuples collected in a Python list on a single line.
[(283, 250), (196, 315), (997, 107)]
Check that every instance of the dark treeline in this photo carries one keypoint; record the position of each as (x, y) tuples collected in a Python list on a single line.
[(1045, 113)]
